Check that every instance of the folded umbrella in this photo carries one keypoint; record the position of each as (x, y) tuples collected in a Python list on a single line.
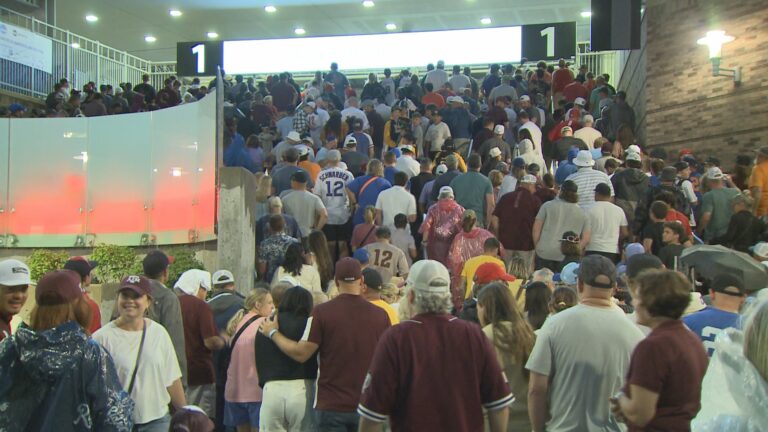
[(712, 260)]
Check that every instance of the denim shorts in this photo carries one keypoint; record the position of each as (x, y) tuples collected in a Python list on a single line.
[(238, 413)]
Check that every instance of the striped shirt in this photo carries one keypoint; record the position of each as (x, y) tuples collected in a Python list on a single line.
[(587, 179)]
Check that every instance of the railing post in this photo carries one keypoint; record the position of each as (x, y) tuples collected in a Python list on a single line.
[(98, 64), (68, 59)]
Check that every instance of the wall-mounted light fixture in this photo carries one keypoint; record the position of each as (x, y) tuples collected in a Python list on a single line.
[(715, 40)]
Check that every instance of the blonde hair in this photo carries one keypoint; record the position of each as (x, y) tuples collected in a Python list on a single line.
[(263, 188), (369, 214), (390, 293), (756, 339), (253, 301), (519, 268)]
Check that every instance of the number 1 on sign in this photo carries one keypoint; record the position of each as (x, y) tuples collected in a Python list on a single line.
[(549, 34), (199, 50)]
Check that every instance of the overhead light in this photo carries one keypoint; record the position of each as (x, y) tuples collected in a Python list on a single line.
[(75, 45), (91, 18), (368, 3), (270, 9), (299, 31), (586, 14), (485, 21), (212, 35), (175, 13), (150, 38), (714, 40), (176, 172), (391, 26)]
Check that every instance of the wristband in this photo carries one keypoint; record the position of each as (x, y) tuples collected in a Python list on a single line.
[(272, 333)]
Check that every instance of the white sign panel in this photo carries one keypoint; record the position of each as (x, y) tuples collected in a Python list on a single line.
[(500, 44), (22, 46)]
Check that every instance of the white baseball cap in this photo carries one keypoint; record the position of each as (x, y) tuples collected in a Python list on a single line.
[(580, 101), (429, 276), (14, 272), (760, 249), (584, 159), (441, 169), (293, 136), (457, 99), (525, 98), (495, 152), (446, 191), (634, 148), (528, 178), (349, 141), (498, 129), (223, 277), (632, 156), (715, 173), (191, 280)]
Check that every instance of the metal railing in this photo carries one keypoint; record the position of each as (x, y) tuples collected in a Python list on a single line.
[(76, 58)]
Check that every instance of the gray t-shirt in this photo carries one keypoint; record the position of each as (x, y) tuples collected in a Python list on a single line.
[(470, 190), (305, 207), (558, 216), (387, 259), (585, 352), (717, 202)]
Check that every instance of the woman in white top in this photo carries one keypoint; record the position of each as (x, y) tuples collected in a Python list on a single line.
[(144, 357), (242, 394), (295, 267)]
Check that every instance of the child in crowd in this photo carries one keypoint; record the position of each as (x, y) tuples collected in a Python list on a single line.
[(402, 238), (570, 247), (562, 299), (673, 237)]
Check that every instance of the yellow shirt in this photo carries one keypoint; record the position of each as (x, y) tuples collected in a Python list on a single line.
[(388, 309), (470, 267), (759, 179)]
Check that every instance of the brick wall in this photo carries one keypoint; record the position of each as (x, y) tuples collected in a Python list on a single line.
[(686, 107)]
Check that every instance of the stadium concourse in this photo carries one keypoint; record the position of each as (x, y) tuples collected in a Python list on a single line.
[(437, 251)]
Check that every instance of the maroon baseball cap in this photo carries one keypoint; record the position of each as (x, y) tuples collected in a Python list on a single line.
[(348, 270), (137, 284), (58, 287)]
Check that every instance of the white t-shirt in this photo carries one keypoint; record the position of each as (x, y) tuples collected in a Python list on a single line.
[(508, 184), (408, 165), (690, 195), (309, 278), (535, 134), (585, 352), (436, 135), (604, 221), (331, 187), (355, 112), (393, 201), (158, 366)]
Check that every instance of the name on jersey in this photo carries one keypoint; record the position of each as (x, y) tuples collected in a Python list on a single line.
[(325, 175)]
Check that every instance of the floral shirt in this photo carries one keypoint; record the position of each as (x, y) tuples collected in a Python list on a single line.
[(272, 250)]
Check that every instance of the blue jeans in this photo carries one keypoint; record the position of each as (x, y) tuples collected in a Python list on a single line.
[(334, 421), (160, 425)]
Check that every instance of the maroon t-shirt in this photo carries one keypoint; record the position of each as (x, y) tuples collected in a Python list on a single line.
[(434, 372), (516, 212), (347, 330), (671, 361), (198, 323)]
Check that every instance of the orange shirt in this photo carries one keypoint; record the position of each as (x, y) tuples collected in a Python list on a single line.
[(433, 98), (759, 179), (312, 168)]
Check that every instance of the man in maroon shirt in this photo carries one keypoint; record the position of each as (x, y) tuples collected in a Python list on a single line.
[(201, 338), (283, 94), (14, 281), (344, 332), (513, 220), (561, 78), (434, 372)]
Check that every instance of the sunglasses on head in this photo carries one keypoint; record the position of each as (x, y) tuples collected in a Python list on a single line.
[(571, 239)]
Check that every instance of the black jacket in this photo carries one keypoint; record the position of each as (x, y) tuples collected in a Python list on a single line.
[(272, 364)]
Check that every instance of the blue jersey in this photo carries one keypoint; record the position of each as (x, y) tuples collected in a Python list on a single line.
[(369, 195), (710, 321)]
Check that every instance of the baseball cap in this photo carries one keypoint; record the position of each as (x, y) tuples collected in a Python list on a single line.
[(350, 141), (712, 161), (634, 148), (728, 284), (529, 179), (429, 276), (300, 176), (570, 237), (525, 98), (597, 271), (221, 277), (441, 169), (632, 156), (445, 191), (565, 129), (13, 273), (361, 255), (518, 162), (580, 101), (191, 280), (406, 148), (58, 287), (640, 262), (275, 202), (372, 279), (311, 104), (633, 249), (491, 271), (584, 159), (498, 129), (303, 150), (715, 173), (333, 155), (80, 265), (569, 273), (603, 189), (681, 165), (669, 173), (293, 136), (348, 270), (495, 152), (457, 99), (137, 284), (695, 304), (760, 249)]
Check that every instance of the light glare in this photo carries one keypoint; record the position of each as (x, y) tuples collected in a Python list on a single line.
[(369, 3), (299, 31), (212, 35), (485, 21), (586, 14), (391, 26), (270, 9), (175, 13), (150, 38), (91, 18)]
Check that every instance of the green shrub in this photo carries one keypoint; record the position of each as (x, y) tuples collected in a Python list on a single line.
[(183, 260), (41, 261), (115, 262)]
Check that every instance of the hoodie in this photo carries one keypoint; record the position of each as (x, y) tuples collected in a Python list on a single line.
[(60, 380), (530, 156)]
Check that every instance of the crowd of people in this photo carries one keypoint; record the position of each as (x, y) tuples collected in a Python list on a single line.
[(439, 253)]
